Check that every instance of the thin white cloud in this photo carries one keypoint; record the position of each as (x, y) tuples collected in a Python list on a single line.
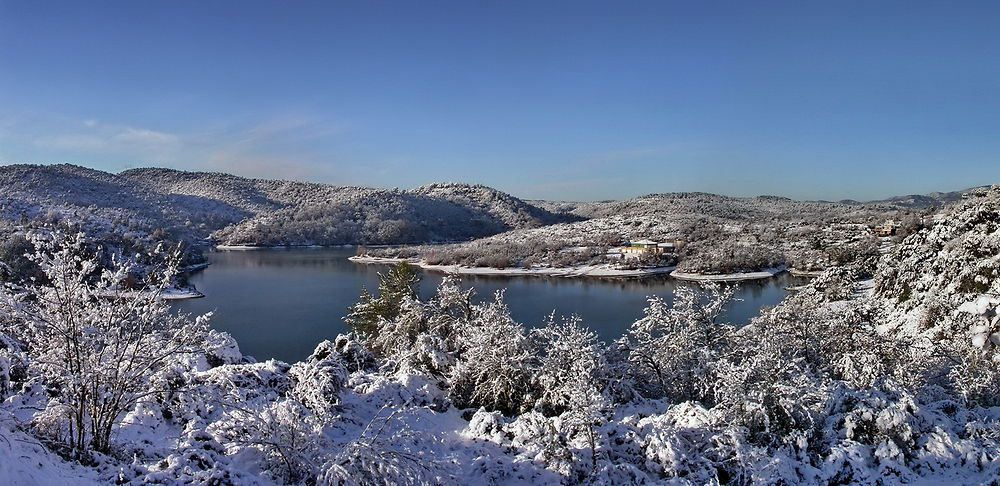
[(73, 141), (96, 137), (145, 137), (288, 146)]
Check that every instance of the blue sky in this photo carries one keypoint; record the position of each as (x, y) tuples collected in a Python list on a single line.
[(556, 100)]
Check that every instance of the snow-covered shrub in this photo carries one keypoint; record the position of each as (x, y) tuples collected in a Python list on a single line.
[(621, 384), (770, 398), (423, 336), (13, 363), (836, 283), (221, 348), (416, 340), (569, 367), (352, 350), (371, 461), (96, 345), (977, 375), (544, 440), (317, 381), (570, 381), (203, 396), (388, 451), (494, 369), (672, 347), (876, 432), (285, 432), (198, 459), (678, 443)]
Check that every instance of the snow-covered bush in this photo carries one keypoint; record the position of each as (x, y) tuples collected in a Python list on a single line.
[(381, 457), (672, 347), (569, 367), (94, 344), (221, 349), (285, 432), (353, 351), (495, 366), (977, 375), (317, 381), (13, 363), (570, 381)]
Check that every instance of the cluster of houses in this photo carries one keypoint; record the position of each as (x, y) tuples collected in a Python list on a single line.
[(639, 248), (887, 228)]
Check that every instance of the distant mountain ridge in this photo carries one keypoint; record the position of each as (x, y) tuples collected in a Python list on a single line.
[(918, 201), (927, 200), (244, 211), (238, 210)]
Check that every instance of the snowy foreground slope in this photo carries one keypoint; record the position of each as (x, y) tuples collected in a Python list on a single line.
[(881, 371)]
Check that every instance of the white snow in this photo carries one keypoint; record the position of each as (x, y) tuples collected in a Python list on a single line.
[(765, 273), (607, 271), (26, 462)]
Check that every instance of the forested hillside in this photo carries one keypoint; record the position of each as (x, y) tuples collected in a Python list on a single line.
[(720, 234), (239, 211)]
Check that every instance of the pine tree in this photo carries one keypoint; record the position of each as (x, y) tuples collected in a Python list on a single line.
[(395, 286)]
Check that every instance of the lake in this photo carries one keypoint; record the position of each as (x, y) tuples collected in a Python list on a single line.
[(280, 303)]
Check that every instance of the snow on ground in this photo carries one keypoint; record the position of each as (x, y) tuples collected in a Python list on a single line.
[(180, 293), (170, 293), (574, 271), (728, 277), (607, 271), (25, 462), (805, 273), (240, 247)]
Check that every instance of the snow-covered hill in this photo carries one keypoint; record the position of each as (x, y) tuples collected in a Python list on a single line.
[(237, 210), (720, 234)]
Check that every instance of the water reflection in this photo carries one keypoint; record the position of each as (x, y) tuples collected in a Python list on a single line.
[(281, 303)]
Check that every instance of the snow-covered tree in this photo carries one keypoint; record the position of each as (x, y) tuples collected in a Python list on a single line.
[(94, 343), (423, 336), (977, 374), (569, 376), (494, 368), (673, 346), (395, 286)]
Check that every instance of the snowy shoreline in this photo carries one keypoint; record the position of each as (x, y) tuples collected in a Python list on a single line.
[(805, 273), (600, 271), (275, 247), (170, 293), (728, 277), (194, 268), (597, 271), (174, 293)]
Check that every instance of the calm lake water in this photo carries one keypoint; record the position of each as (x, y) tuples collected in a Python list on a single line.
[(281, 303)]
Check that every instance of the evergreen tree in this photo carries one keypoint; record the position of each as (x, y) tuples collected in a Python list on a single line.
[(400, 283)]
